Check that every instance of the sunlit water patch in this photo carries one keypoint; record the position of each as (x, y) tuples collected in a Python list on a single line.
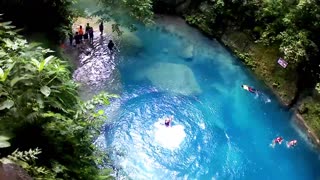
[(169, 137)]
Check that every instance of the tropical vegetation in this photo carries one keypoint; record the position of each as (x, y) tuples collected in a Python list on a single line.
[(260, 32), (51, 130), (44, 126)]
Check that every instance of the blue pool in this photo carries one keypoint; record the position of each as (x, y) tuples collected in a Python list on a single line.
[(219, 130)]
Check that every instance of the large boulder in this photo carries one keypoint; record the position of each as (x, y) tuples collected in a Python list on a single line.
[(13, 172), (187, 53), (174, 78)]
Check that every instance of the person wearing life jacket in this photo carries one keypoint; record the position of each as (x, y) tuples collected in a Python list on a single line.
[(248, 88), (277, 140), (292, 143), (80, 32)]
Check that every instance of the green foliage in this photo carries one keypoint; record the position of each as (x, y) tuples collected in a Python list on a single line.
[(318, 88), (311, 113), (26, 159), (200, 21), (124, 12), (293, 45), (37, 94), (289, 26), (245, 57), (54, 17), (4, 142), (195, 18)]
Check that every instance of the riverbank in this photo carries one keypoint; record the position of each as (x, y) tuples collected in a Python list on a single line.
[(262, 61)]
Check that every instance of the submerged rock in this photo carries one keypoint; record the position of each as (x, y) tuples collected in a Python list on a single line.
[(187, 53), (177, 78)]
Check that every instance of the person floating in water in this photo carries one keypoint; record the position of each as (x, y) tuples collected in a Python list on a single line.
[(277, 140), (292, 143), (248, 88), (167, 121)]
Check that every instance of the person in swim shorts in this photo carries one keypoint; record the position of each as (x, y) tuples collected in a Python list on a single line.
[(278, 140), (292, 143), (248, 88)]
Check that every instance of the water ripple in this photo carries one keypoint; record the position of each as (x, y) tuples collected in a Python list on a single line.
[(161, 152)]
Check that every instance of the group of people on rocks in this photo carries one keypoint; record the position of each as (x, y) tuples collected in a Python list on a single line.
[(82, 36)]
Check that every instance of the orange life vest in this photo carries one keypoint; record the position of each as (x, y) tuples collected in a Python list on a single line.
[(80, 31)]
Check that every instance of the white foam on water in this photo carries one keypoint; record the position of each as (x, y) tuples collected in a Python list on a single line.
[(169, 137), (202, 126)]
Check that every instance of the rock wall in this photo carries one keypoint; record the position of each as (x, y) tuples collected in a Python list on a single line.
[(263, 62), (13, 172)]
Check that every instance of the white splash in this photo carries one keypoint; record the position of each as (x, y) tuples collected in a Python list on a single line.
[(168, 137)]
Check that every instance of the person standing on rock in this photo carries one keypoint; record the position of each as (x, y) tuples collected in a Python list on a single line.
[(77, 39), (91, 35), (80, 33), (110, 46), (86, 34), (101, 28), (70, 38)]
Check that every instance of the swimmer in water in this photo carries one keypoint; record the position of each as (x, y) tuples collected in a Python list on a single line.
[(277, 140), (292, 143), (248, 88), (167, 121)]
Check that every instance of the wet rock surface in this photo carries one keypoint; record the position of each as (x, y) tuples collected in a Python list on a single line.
[(95, 63), (175, 78), (13, 172)]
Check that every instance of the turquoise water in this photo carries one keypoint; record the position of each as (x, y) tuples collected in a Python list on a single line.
[(219, 130)]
